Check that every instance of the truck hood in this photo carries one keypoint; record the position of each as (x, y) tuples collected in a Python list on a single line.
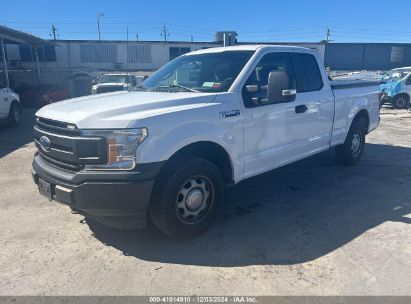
[(120, 109)]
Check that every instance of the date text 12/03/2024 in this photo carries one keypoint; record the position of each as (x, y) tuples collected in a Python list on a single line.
[(203, 299)]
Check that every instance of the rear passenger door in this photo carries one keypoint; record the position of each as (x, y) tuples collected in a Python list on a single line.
[(279, 133), (314, 107)]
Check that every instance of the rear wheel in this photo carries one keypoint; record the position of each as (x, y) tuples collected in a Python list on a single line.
[(350, 152), (185, 197), (15, 114), (400, 102)]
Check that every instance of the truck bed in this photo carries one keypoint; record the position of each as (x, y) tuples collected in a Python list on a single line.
[(349, 96)]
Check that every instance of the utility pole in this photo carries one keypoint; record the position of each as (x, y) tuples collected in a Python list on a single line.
[(328, 34), (191, 38), (127, 52), (165, 33), (98, 25), (53, 31), (137, 37)]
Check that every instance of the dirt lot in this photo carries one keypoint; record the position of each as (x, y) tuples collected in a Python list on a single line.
[(308, 228)]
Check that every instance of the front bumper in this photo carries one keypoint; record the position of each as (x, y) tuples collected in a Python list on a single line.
[(116, 199), (386, 99)]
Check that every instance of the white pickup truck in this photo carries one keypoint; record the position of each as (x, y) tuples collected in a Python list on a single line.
[(10, 107), (207, 119), (115, 82)]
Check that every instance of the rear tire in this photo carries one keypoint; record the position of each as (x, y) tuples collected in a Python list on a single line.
[(350, 152), (185, 197), (400, 102), (14, 114)]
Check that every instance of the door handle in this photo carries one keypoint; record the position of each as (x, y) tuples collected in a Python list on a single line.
[(300, 109)]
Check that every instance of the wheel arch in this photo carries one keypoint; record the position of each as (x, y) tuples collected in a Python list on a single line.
[(211, 151), (16, 101), (405, 94), (362, 114)]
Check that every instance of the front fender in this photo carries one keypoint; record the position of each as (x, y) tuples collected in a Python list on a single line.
[(162, 146)]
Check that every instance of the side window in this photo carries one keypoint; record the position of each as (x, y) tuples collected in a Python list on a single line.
[(307, 73), (259, 77)]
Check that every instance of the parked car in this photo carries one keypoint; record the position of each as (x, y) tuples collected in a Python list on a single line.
[(10, 107), (37, 96), (396, 87), (207, 119), (115, 82)]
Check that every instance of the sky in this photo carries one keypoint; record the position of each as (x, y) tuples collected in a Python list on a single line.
[(256, 21)]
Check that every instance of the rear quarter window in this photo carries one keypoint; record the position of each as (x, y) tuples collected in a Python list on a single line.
[(307, 73)]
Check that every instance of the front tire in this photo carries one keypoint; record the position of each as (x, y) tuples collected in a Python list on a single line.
[(185, 197), (15, 114), (400, 102), (350, 152)]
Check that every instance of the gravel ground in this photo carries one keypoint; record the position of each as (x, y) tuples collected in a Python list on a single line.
[(310, 228)]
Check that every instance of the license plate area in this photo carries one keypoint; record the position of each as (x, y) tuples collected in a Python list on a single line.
[(45, 189)]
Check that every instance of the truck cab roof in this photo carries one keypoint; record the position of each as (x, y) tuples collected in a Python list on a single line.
[(252, 47)]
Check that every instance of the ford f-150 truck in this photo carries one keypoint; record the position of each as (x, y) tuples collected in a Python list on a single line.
[(207, 119)]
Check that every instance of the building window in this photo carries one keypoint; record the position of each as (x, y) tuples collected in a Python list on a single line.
[(46, 53), (139, 54), (91, 53), (178, 51), (397, 54), (26, 53)]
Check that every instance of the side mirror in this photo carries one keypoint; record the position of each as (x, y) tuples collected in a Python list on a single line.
[(280, 87), (94, 81)]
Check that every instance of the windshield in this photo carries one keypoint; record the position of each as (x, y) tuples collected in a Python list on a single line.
[(115, 79), (211, 72), (395, 75)]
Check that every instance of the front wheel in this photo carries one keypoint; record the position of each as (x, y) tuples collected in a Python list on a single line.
[(350, 152), (400, 102), (185, 197), (14, 114)]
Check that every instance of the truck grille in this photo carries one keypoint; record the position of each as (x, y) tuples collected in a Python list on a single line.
[(107, 89), (61, 165), (57, 127), (61, 145)]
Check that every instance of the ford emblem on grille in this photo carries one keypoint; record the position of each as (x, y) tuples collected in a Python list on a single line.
[(45, 143)]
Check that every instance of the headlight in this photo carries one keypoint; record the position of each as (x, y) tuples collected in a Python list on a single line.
[(121, 147), (93, 90)]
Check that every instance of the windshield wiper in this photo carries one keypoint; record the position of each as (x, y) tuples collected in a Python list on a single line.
[(140, 87), (177, 86)]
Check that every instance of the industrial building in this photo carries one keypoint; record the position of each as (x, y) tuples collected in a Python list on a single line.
[(367, 56), (74, 63)]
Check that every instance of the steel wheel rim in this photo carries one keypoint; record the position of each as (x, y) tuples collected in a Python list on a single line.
[(194, 199), (356, 143)]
